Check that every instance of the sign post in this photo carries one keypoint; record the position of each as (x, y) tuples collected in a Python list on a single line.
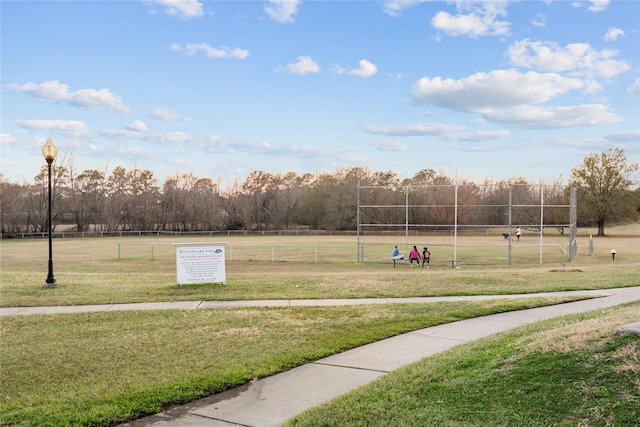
[(200, 263)]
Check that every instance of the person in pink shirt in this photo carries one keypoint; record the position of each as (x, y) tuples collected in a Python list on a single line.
[(414, 255)]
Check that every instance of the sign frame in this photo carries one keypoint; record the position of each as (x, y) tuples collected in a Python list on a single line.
[(201, 262)]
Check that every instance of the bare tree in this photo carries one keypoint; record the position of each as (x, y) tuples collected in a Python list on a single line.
[(339, 197), (555, 199), (116, 210), (13, 216), (87, 198), (207, 209), (141, 199), (38, 207), (180, 202)]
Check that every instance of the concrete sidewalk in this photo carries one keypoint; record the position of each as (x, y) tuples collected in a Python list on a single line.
[(273, 400), (192, 305)]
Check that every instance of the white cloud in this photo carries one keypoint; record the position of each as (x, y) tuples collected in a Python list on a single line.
[(304, 65), (282, 10), (579, 59), (507, 97), (157, 138), (625, 136), (414, 129), (474, 19), (592, 86), (55, 91), (367, 69), (211, 52), (393, 145), (598, 5), (613, 34), (540, 20), (634, 89), (216, 144), (137, 126), (165, 114), (71, 128), (170, 137), (495, 90), (119, 133), (534, 117), (478, 136), (183, 9), (337, 70), (303, 151), (396, 7), (6, 139), (593, 5)]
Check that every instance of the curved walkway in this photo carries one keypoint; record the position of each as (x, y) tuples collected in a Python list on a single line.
[(273, 400), (186, 305)]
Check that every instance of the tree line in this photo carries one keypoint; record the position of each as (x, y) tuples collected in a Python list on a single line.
[(125, 200)]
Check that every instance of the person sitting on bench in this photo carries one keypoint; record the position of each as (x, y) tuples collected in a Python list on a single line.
[(426, 256), (396, 255), (414, 255)]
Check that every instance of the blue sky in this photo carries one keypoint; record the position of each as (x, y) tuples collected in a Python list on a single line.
[(222, 88)]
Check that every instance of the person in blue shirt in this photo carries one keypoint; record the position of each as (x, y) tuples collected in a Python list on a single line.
[(396, 254)]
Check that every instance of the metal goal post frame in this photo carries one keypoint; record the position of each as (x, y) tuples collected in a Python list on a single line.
[(402, 193)]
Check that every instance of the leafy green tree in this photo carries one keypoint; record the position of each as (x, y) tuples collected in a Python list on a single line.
[(604, 183)]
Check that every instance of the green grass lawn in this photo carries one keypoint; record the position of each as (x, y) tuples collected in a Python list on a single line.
[(89, 272), (570, 371), (105, 368)]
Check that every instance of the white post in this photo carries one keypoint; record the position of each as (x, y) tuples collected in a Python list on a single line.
[(358, 224), (510, 232), (455, 223), (541, 217), (406, 218)]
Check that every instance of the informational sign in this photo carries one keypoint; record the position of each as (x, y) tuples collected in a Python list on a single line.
[(200, 263)]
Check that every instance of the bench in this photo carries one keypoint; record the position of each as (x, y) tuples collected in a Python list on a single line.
[(445, 262), (431, 262), (403, 261), (396, 259)]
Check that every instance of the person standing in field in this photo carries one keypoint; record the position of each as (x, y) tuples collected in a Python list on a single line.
[(426, 256), (518, 232), (414, 255)]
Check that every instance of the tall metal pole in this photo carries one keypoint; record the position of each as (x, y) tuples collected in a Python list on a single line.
[(49, 151), (406, 218), (510, 218), (51, 280), (358, 257), (455, 224), (541, 217)]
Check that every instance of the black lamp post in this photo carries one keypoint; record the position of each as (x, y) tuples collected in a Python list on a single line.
[(49, 151)]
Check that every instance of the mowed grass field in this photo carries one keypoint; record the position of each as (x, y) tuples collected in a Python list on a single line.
[(143, 269), (101, 369)]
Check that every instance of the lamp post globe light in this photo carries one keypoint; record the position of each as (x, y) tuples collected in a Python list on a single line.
[(49, 151)]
